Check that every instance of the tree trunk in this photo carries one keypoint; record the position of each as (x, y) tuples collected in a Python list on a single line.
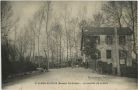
[(47, 20), (60, 49), (38, 51)]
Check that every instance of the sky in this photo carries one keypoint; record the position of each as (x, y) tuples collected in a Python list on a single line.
[(26, 9)]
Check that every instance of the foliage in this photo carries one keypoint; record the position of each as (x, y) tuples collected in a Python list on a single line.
[(90, 47), (10, 66)]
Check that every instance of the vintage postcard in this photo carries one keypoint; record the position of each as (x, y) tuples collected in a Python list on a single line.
[(69, 45)]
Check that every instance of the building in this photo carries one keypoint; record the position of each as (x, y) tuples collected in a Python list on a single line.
[(111, 47)]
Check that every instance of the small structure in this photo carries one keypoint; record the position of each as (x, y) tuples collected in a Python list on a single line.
[(112, 48)]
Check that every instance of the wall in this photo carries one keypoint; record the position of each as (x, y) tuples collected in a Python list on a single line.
[(103, 47)]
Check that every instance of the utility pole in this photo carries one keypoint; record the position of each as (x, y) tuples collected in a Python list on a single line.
[(117, 52)]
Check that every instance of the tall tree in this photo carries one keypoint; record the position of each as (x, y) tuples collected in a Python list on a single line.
[(32, 28), (57, 30), (36, 28), (130, 19), (66, 19), (74, 26), (47, 8)]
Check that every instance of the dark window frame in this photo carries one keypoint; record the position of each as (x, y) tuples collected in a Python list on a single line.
[(108, 54), (122, 54), (122, 39), (99, 54), (109, 39)]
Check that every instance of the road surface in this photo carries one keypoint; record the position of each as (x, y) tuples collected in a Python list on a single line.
[(71, 79)]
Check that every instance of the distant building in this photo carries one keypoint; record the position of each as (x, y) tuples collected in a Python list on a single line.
[(114, 46)]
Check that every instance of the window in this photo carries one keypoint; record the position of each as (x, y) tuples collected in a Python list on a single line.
[(122, 54), (99, 54), (108, 54), (96, 39), (109, 40), (122, 40)]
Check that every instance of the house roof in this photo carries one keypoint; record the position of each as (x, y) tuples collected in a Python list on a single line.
[(106, 31)]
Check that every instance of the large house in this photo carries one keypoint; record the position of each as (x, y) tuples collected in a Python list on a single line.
[(114, 48)]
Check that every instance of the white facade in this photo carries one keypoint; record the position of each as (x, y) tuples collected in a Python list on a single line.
[(103, 47)]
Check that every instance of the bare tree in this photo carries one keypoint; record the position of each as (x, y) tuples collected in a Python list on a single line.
[(82, 23), (74, 25), (98, 19), (22, 42), (35, 27), (113, 11), (130, 19), (39, 16), (82, 13), (66, 19), (57, 32), (32, 28), (6, 16), (46, 19)]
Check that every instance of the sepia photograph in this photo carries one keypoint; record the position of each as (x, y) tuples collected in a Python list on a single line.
[(69, 45)]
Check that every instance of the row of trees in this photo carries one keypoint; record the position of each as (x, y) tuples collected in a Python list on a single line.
[(59, 34)]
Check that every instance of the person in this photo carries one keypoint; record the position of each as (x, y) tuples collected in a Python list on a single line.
[(72, 64), (87, 64)]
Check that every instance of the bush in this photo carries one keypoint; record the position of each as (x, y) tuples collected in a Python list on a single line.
[(10, 65), (23, 66), (6, 64)]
